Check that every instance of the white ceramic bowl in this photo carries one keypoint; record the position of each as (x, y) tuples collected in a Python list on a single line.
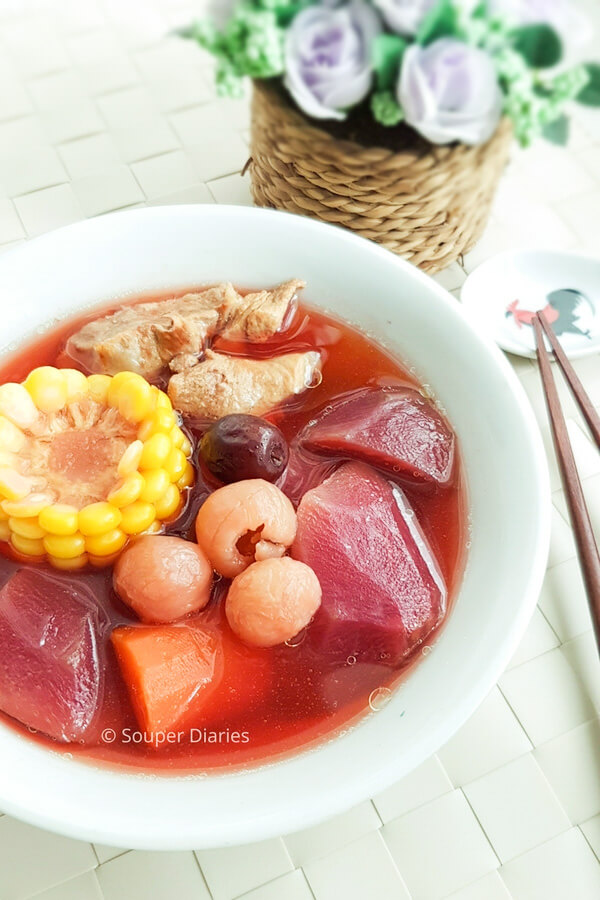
[(172, 247)]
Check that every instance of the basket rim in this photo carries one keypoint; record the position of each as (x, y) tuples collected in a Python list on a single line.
[(267, 88)]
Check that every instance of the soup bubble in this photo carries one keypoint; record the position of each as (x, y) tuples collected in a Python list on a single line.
[(379, 698)]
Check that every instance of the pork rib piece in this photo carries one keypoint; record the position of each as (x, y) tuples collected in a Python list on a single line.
[(260, 314), (382, 589), (220, 385), (147, 337)]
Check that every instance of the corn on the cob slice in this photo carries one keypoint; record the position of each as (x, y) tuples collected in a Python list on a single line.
[(48, 388), (156, 482), (38, 516), (17, 406), (67, 546), (128, 490), (28, 528), (137, 517), (69, 565), (60, 519)]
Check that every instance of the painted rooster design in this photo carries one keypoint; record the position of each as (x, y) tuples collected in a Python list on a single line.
[(562, 310)]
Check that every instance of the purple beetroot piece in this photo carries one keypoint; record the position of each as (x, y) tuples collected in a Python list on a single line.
[(382, 590), (303, 472), (51, 676), (395, 429)]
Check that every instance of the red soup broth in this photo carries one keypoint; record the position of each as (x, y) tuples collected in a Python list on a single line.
[(283, 699)]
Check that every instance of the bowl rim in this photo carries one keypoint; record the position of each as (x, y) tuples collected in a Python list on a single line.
[(308, 811)]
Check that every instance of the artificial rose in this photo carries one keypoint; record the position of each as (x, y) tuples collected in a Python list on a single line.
[(328, 58), (449, 92), (405, 17)]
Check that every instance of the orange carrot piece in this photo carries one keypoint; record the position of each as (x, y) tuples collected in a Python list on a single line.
[(169, 670), (247, 680)]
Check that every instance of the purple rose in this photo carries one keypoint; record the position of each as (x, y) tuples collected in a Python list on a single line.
[(449, 91), (404, 16), (328, 58)]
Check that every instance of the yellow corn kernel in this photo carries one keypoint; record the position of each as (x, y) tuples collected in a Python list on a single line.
[(137, 517), (154, 528), (136, 400), (8, 460), (69, 565), (98, 386), (11, 437), (77, 384), (186, 447), (187, 479), (64, 546), (127, 491), (60, 519), (163, 401), (160, 421), (27, 546), (168, 504), (4, 517), (13, 485), (130, 460), (98, 518), (155, 452), (28, 528), (28, 506), (17, 405), (101, 562), (156, 481), (47, 387), (105, 544), (175, 464), (117, 381), (177, 437), (5, 531)]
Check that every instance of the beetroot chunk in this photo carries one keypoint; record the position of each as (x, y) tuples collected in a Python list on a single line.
[(395, 429), (382, 590), (50, 671)]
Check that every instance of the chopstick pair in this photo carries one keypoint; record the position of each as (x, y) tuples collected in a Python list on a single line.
[(587, 548)]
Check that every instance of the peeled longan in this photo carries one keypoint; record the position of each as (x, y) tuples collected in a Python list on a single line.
[(163, 578), (272, 600), (251, 508)]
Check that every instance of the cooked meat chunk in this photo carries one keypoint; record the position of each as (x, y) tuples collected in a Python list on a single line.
[(183, 361), (221, 385), (146, 337), (260, 314)]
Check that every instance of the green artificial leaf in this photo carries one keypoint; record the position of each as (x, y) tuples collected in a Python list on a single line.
[(388, 50), (386, 109), (480, 11), (557, 132), (539, 45), (590, 94), (285, 14), (440, 21)]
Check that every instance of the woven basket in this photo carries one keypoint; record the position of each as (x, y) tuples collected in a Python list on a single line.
[(429, 204)]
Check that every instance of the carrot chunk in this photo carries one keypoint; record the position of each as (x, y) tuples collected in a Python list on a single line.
[(248, 678), (170, 671)]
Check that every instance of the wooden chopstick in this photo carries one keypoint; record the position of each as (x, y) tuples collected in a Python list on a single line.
[(587, 549), (577, 389)]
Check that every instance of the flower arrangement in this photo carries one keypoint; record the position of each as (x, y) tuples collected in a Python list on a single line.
[(449, 69)]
